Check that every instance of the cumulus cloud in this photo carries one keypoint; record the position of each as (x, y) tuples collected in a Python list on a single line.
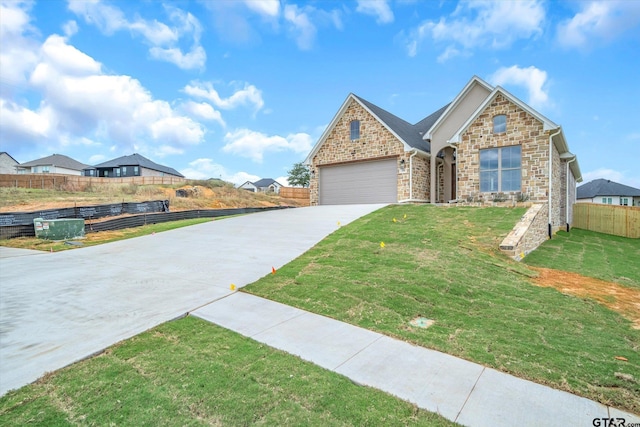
[(18, 53), (249, 95), (163, 38), (531, 78), (207, 168), (269, 8), (301, 27), (80, 104), (204, 111), (599, 21), (253, 145), (378, 8), (480, 24)]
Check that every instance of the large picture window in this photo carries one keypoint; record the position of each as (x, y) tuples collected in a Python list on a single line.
[(355, 130), (500, 169)]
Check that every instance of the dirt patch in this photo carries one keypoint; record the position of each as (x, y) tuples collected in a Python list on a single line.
[(621, 299)]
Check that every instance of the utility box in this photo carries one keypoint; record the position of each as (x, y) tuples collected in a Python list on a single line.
[(59, 229)]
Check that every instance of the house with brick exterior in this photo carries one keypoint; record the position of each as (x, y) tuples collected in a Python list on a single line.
[(486, 146)]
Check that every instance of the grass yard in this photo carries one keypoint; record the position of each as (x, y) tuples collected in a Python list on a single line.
[(443, 264), (612, 258), (190, 372)]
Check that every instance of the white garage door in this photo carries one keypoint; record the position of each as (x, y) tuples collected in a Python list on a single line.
[(365, 182)]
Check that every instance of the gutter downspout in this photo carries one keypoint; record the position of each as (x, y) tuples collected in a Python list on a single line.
[(566, 209), (558, 130), (415, 151)]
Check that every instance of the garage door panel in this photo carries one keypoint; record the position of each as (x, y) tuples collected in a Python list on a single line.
[(365, 182)]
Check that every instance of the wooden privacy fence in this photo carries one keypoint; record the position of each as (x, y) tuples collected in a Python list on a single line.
[(609, 219), (294, 193), (57, 181)]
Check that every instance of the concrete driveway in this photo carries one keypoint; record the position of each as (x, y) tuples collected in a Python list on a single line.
[(58, 308)]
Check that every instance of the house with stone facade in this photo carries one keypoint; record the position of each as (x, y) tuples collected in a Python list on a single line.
[(486, 146)]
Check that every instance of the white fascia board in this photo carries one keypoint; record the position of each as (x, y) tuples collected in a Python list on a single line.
[(455, 102)]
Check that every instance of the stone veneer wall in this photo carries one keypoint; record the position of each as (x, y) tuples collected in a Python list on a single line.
[(529, 233), (421, 184), (522, 129), (376, 142)]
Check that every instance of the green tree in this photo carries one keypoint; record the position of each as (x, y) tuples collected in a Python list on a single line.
[(299, 175)]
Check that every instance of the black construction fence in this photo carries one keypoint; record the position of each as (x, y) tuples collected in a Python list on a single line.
[(20, 224)]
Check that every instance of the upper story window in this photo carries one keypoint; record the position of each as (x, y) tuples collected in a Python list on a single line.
[(500, 123), (355, 130), (500, 169)]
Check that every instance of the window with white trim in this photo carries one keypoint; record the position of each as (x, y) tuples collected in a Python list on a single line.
[(500, 123), (500, 169), (624, 201), (355, 129), (607, 200)]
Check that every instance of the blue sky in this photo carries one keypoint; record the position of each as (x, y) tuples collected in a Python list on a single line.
[(242, 90)]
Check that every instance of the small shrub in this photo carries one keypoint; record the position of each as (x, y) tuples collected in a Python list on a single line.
[(522, 197), (499, 197)]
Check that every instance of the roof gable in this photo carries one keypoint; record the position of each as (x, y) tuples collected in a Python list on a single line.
[(58, 160), (9, 156), (265, 182), (409, 135), (137, 160), (605, 187)]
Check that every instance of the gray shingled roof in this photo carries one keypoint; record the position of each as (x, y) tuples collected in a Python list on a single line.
[(605, 187), (58, 160), (138, 160), (265, 182), (411, 134)]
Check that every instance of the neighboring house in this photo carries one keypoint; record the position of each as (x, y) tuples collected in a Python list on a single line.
[(249, 186), (485, 146), (132, 165), (265, 185), (608, 192), (7, 163), (56, 163)]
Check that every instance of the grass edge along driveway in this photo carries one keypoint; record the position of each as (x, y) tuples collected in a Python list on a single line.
[(405, 261), (191, 372)]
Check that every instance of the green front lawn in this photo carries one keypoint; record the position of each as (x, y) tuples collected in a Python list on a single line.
[(603, 256), (192, 373), (443, 264)]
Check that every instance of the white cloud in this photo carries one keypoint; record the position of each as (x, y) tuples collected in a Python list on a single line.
[(532, 78), (253, 145), (249, 95), (194, 59), (599, 20), (162, 37), (269, 8), (97, 158), (303, 30), (481, 24), (207, 168), (203, 110), (284, 180), (70, 28), (80, 104), (18, 53), (378, 8)]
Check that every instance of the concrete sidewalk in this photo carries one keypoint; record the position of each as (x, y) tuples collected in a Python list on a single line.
[(461, 391)]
